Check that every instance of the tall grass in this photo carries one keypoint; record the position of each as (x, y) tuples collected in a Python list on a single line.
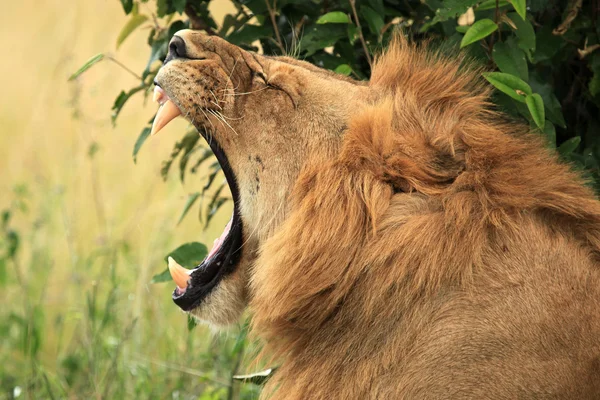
[(84, 229)]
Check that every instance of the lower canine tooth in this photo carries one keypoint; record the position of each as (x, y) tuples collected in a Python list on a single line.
[(179, 274)]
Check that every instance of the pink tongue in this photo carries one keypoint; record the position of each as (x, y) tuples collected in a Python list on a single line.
[(219, 241)]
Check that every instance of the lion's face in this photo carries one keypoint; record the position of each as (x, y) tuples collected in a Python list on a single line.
[(265, 118)]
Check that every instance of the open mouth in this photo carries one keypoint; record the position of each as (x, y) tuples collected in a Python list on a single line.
[(194, 285)]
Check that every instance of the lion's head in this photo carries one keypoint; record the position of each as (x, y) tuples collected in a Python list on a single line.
[(264, 117)]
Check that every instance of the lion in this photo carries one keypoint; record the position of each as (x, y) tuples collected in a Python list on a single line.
[(393, 239)]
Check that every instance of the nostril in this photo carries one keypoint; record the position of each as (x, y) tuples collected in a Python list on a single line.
[(177, 47)]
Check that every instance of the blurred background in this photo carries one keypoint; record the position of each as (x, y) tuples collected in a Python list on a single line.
[(85, 228), (89, 227)]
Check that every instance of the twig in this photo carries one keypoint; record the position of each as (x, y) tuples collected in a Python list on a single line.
[(387, 26), (111, 58), (587, 50), (271, 10), (236, 367), (571, 15), (360, 34), (491, 39), (496, 18), (196, 22), (185, 370)]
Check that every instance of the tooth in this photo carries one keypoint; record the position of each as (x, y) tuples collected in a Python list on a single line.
[(179, 274), (165, 114), (158, 94)]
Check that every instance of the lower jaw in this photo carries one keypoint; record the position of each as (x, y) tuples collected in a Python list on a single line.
[(208, 275)]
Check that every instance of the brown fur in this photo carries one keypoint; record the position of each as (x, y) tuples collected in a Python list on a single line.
[(419, 246)]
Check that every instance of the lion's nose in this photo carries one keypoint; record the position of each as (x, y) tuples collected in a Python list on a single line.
[(176, 49)]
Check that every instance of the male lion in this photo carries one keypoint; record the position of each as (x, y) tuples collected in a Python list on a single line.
[(394, 239)]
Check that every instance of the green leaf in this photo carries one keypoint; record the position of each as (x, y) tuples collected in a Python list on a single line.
[(178, 5), (158, 51), (88, 64), (6, 214), (140, 141), (452, 8), (179, 25), (525, 33), (374, 20), (192, 253), (569, 146), (353, 35), (551, 103), (491, 5), (191, 322), (187, 151), (214, 205), (162, 8), (547, 44), (510, 59), (228, 22), (509, 84), (320, 37), (13, 241), (206, 154), (462, 28), (535, 104), (127, 5), (334, 17), (122, 99), (550, 134), (188, 254), (188, 204), (249, 34), (134, 22), (93, 149), (181, 147), (378, 6), (520, 7), (479, 30), (164, 276), (343, 69)]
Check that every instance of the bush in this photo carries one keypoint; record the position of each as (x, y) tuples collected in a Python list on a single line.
[(541, 56)]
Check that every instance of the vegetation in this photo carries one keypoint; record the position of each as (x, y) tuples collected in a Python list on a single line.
[(542, 56)]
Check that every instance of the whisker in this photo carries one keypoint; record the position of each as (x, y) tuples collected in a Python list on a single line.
[(211, 124), (246, 93), (232, 69), (220, 117), (217, 100), (230, 118)]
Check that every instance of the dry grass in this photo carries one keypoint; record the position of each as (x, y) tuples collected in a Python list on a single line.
[(90, 217)]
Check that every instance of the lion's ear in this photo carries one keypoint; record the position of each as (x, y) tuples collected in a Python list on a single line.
[(284, 77), (406, 157)]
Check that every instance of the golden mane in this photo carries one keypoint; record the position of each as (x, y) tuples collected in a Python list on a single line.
[(430, 186)]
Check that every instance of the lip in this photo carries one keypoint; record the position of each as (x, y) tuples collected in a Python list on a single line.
[(206, 276)]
